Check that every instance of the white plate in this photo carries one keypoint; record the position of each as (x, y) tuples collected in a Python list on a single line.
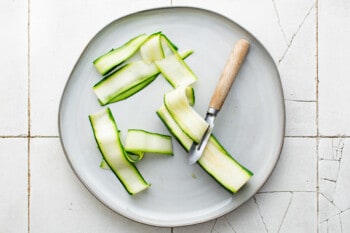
[(250, 125)]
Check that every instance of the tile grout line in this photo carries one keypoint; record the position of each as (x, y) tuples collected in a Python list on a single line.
[(29, 115), (317, 121)]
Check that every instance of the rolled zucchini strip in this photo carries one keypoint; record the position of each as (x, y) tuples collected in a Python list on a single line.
[(178, 105)]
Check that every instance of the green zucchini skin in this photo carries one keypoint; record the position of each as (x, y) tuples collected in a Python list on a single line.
[(126, 78), (134, 157), (133, 90), (107, 136), (174, 129), (104, 165), (124, 92), (115, 57), (230, 163), (152, 50), (207, 161), (166, 41), (176, 71), (173, 67)]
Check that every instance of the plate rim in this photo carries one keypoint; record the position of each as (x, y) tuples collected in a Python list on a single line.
[(204, 218)]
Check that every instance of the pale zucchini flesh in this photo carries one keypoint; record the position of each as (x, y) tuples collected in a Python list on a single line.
[(216, 161), (185, 116), (173, 67), (108, 140), (151, 50), (175, 71), (115, 57), (144, 141)]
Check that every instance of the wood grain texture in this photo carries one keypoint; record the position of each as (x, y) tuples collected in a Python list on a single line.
[(229, 73)]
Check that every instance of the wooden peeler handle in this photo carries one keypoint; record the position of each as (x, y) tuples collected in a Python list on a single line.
[(229, 74)]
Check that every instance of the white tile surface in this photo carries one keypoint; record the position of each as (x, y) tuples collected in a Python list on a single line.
[(247, 218), (300, 118), (59, 30), (345, 221), (14, 185), (203, 227), (335, 225), (334, 54), (301, 216), (13, 67), (273, 208), (327, 209), (334, 183), (296, 168), (298, 65), (56, 44), (222, 225), (292, 14), (277, 212), (60, 203)]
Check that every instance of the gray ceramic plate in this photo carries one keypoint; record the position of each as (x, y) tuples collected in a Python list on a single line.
[(250, 125)]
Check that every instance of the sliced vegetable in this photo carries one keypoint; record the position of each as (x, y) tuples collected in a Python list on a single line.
[(134, 157), (108, 140), (178, 105), (190, 95), (216, 161), (173, 67), (128, 80), (185, 53), (115, 57), (168, 46), (143, 141), (159, 55), (152, 50), (174, 128), (104, 165), (133, 90), (123, 80)]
